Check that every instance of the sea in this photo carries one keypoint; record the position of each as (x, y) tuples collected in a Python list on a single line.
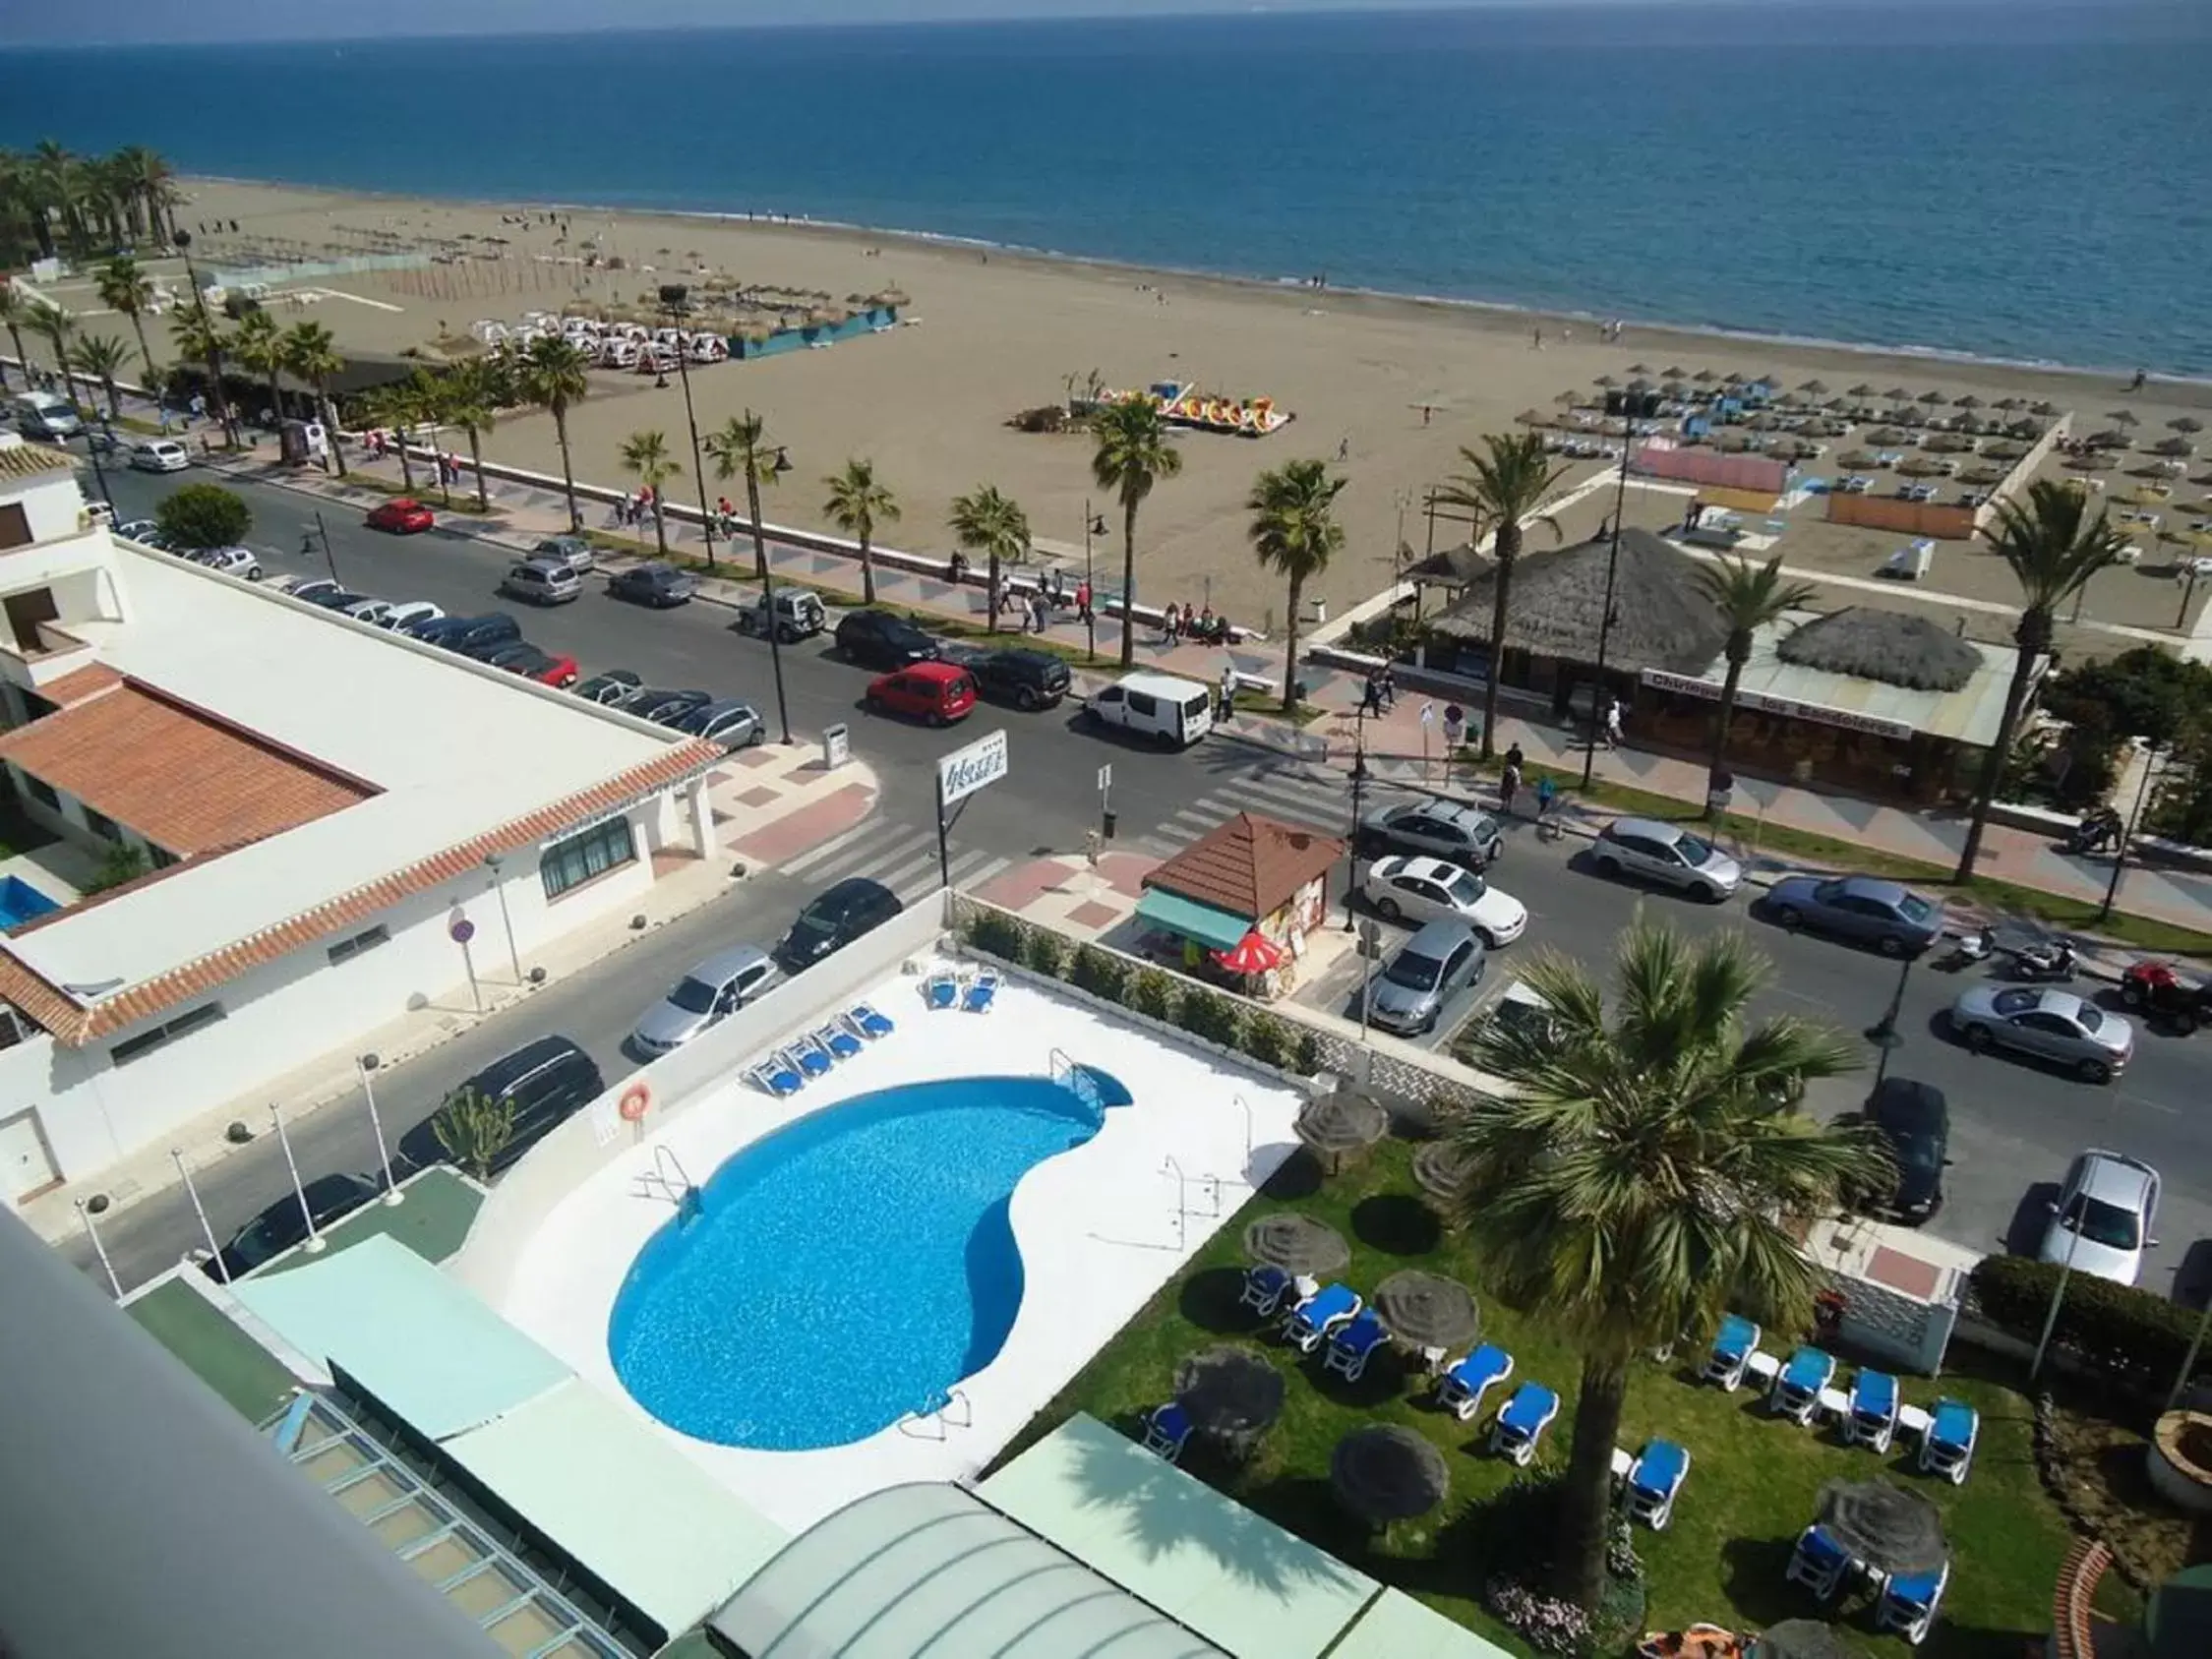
[(2005, 179)]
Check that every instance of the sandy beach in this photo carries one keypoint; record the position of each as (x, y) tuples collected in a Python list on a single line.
[(1395, 385)]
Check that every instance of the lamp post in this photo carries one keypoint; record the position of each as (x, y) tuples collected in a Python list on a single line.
[(675, 306), (84, 1216), (1612, 572), (365, 1064), (316, 1244), (1093, 524), (1884, 1033), (494, 862), (93, 448), (223, 410), (191, 1191), (760, 553), (2128, 834), (1359, 790)]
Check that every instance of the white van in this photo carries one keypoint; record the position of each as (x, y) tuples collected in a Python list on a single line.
[(1170, 711), (44, 416)]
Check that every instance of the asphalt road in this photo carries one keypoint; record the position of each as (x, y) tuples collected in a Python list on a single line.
[(2014, 1125)]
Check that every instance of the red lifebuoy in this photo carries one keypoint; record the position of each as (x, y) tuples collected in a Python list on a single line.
[(637, 1100)]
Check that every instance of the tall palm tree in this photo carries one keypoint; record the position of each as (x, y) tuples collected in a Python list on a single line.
[(645, 456), (554, 376), (993, 526), (102, 357), (1133, 454), (1499, 492), (60, 330), (857, 504), (15, 312), (308, 352), (2053, 546), (1643, 1174), (148, 181), (125, 288), (52, 181), (402, 406), (199, 338), (258, 346), (1294, 531), (1749, 597), (742, 449), (472, 404)]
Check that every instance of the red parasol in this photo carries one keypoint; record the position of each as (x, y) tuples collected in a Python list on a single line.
[(1255, 953)]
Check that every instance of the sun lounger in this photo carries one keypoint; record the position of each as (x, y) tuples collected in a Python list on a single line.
[(1523, 1422), (863, 1019), (980, 992), (1798, 1384), (1462, 1390), (942, 990), (1264, 1290), (1819, 1562), (1167, 1431), (1947, 1449), (841, 1044), (1873, 1421), (810, 1057), (1350, 1348), (1732, 1349), (778, 1075), (1313, 1320), (1908, 1604), (1654, 1478)]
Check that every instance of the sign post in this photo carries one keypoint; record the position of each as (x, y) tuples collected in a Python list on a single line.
[(1105, 803), (960, 775), (460, 930), (1428, 720)]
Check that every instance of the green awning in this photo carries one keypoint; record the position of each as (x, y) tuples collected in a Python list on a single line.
[(1214, 929)]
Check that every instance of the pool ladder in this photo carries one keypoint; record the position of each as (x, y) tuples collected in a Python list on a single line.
[(937, 1412), (669, 1178)]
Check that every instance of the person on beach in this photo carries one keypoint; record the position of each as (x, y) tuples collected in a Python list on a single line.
[(1536, 340), (1344, 448)]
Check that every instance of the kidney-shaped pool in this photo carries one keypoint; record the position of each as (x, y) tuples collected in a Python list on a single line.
[(848, 1268)]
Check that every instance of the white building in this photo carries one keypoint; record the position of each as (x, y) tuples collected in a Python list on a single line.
[(320, 803)]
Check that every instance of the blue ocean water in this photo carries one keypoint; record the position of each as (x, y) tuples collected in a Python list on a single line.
[(2019, 180), (846, 1270)]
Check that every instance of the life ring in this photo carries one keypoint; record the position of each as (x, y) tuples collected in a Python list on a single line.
[(637, 1100)]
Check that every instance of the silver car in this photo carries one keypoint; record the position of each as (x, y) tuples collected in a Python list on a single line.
[(1443, 829), (732, 724), (2101, 1221), (1409, 995), (2049, 1023), (1669, 855), (717, 987)]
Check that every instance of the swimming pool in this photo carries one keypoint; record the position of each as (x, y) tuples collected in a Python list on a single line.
[(848, 1268), (19, 902)]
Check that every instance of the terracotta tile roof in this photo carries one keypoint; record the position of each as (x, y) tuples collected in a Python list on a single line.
[(182, 778), (75, 1024), (33, 460), (1249, 867), (79, 684)]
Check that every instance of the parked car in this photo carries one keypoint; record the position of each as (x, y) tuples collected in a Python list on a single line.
[(1432, 966), (573, 553), (655, 584), (1172, 712), (732, 724), (2048, 1023), (308, 590), (403, 516), (231, 561), (663, 708), (833, 918), (2101, 1221), (544, 1083), (547, 667), (799, 615), (471, 633), (1443, 829), (939, 694), (1914, 1119), (609, 687), (284, 1224), (1028, 679), (332, 598), (159, 454), (1864, 909), (1669, 855), (139, 530), (411, 614), (541, 581), (1435, 890), (713, 990), (879, 640)]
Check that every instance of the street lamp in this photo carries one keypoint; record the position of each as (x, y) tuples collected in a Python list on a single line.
[(2128, 834), (215, 364), (365, 1064), (1612, 572), (494, 862), (1884, 1033), (675, 306), (1359, 790), (1093, 524), (760, 556)]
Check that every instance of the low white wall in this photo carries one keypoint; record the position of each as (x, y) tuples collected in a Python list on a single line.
[(596, 1136)]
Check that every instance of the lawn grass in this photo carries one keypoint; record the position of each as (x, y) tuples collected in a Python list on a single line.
[(221, 1355), (1752, 1487)]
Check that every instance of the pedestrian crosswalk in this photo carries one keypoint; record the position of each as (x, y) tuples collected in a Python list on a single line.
[(903, 857), (1291, 794)]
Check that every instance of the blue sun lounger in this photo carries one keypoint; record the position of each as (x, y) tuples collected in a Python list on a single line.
[(1462, 1390), (1908, 1604), (811, 1057), (1946, 1446), (1353, 1346), (1523, 1421), (942, 990), (1654, 1478), (1819, 1562), (980, 989), (1732, 1348), (864, 1020), (1167, 1431), (1313, 1320), (1264, 1290), (1873, 1422), (778, 1075), (841, 1044), (1798, 1384)]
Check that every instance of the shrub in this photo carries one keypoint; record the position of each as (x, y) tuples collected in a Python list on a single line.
[(474, 1128), (1217, 1019), (1152, 993), (1309, 1052), (2131, 1335), (1000, 934), (1101, 973), (123, 865), (1046, 953), (1267, 1040), (204, 515)]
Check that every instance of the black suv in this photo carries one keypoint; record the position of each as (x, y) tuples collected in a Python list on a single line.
[(471, 635), (546, 1081), (329, 1198), (879, 640), (834, 919), (1915, 1121), (1028, 679)]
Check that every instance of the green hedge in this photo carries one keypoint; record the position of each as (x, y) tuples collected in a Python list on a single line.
[(2129, 1335)]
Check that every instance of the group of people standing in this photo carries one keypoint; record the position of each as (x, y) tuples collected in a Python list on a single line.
[(1200, 626)]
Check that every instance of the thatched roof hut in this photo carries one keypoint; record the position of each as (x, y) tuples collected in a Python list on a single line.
[(1885, 645), (1662, 617)]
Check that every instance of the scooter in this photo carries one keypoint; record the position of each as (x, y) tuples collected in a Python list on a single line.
[(2095, 832), (1969, 949), (2050, 962)]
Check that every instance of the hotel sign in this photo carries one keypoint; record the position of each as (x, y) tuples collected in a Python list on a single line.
[(1683, 686), (963, 772)]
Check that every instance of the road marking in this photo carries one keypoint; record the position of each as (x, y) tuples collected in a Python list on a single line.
[(836, 844)]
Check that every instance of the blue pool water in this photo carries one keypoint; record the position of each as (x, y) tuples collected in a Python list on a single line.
[(846, 1270), (19, 902)]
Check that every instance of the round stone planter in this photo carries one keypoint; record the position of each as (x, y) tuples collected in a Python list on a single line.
[(2181, 1460)]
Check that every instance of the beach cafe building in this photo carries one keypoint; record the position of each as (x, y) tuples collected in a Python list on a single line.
[(1865, 701), (1244, 898)]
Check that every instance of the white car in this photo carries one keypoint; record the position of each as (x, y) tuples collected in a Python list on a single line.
[(2101, 1222), (409, 613), (231, 561), (370, 611), (1669, 855), (159, 454), (1432, 890)]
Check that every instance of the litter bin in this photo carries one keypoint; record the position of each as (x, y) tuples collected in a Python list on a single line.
[(1107, 821)]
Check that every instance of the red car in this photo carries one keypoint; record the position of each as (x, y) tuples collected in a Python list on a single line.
[(402, 517), (937, 692), (547, 668)]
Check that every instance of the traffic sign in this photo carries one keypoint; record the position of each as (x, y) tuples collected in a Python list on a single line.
[(460, 930)]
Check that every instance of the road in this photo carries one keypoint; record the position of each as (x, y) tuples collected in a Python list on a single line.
[(2014, 1126)]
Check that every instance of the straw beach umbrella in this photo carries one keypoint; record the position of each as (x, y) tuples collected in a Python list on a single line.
[(1297, 1244), (2123, 417), (1533, 417), (1704, 377), (1969, 402), (2185, 423), (1883, 1526), (1931, 397), (1862, 389), (1441, 1174), (1815, 389), (1427, 1310), (1387, 1474), (1230, 1393), (2174, 446), (1606, 381), (1345, 1120), (1639, 368)]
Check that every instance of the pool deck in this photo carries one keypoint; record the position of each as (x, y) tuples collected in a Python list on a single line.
[(1100, 1227)]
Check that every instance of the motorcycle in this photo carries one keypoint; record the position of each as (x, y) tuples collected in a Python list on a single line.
[(2096, 831), (1968, 949), (2050, 961), (2156, 989)]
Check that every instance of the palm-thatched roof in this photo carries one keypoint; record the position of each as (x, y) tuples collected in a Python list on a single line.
[(1662, 617), (1885, 645)]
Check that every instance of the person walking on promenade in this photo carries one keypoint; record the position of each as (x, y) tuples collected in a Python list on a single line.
[(1548, 803), (1371, 695), (1509, 785), (1082, 613), (1613, 723), (1228, 689), (1386, 678)]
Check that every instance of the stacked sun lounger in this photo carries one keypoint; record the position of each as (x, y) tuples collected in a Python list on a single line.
[(785, 1070)]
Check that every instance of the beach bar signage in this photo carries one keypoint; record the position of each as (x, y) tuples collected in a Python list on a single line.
[(963, 772), (1661, 680)]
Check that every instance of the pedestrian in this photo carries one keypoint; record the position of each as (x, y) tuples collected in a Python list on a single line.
[(1170, 622), (199, 406), (1228, 689), (1371, 695), (1344, 448), (1083, 611), (1386, 679), (1041, 610), (1613, 723), (1514, 757), (1547, 798), (1509, 785)]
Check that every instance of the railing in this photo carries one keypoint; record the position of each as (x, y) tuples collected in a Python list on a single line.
[(669, 1178), (1076, 1080), (1211, 1185), (939, 1411)]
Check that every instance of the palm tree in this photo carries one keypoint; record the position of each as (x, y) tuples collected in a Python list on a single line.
[(1643, 1173), (310, 353), (125, 288), (102, 357), (472, 404), (554, 376), (15, 312), (200, 338), (857, 504), (402, 406), (1295, 533), (52, 178), (259, 349), (742, 449), (644, 455), (994, 525), (1747, 597), (2052, 546), (60, 330), (1133, 454), (145, 178), (1498, 492)]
